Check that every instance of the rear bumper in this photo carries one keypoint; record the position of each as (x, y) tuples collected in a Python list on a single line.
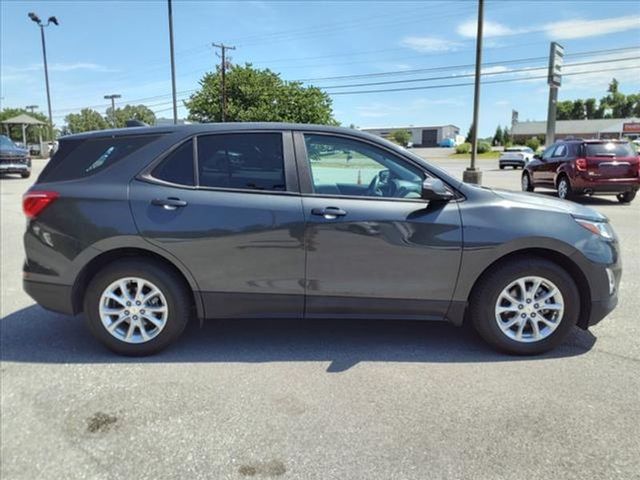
[(511, 163), (608, 185), (51, 296)]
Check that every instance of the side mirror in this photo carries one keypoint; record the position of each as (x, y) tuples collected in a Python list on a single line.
[(435, 190), (537, 156)]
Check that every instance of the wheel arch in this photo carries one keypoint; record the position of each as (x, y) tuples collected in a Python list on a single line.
[(106, 257), (559, 259)]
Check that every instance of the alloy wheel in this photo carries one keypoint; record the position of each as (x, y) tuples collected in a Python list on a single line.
[(529, 309), (133, 310)]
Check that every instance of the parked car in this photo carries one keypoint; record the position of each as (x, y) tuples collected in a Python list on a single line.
[(14, 159), (143, 228), (586, 167), (447, 143), (515, 157)]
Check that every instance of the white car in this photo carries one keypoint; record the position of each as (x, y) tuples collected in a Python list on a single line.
[(515, 157)]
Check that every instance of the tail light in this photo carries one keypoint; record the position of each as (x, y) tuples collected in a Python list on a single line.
[(33, 203), (581, 164)]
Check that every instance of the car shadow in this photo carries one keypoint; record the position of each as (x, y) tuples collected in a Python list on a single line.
[(35, 335)]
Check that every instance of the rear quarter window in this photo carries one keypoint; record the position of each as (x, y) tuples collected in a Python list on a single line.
[(79, 158)]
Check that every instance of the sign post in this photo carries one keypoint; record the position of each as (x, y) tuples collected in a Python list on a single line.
[(554, 79)]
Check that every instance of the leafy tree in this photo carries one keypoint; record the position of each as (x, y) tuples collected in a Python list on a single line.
[(564, 109), (468, 138), (15, 131), (533, 143), (258, 95), (131, 112), (498, 137), (85, 121), (590, 107), (401, 137), (578, 110), (506, 136)]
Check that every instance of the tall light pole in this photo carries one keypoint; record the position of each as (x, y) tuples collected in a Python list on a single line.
[(113, 97), (473, 174), (54, 20), (173, 64)]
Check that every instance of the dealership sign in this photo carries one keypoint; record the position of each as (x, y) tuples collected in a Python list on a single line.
[(631, 127)]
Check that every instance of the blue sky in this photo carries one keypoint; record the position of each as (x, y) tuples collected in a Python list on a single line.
[(104, 47)]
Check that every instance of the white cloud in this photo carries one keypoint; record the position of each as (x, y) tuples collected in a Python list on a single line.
[(429, 44), (490, 29), (590, 28), (503, 103)]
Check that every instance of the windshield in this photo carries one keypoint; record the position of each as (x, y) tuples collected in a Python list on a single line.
[(609, 149), (5, 142)]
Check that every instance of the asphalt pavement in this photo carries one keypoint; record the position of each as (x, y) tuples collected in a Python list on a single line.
[(318, 399)]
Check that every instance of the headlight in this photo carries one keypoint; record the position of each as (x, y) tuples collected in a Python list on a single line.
[(602, 229)]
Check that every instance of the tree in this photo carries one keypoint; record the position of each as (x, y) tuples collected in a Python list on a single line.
[(563, 110), (468, 138), (15, 131), (401, 137), (533, 143), (255, 95), (506, 136), (497, 137), (590, 107), (131, 112), (85, 121), (578, 110)]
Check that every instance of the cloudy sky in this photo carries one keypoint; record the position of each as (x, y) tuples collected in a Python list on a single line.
[(413, 59)]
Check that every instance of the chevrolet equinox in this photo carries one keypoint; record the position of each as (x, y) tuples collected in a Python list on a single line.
[(145, 228)]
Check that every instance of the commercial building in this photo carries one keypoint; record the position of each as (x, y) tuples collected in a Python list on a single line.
[(599, 128), (420, 136)]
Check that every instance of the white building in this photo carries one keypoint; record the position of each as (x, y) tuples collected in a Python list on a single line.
[(420, 136)]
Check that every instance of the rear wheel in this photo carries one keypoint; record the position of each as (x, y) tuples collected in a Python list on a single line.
[(25, 174), (136, 307), (626, 197), (525, 307), (501, 167), (527, 185), (564, 188)]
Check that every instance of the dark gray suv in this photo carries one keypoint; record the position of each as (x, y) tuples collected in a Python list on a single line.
[(145, 228)]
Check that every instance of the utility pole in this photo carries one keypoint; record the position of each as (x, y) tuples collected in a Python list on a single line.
[(113, 97), (472, 174), (31, 108), (173, 65), (223, 68), (34, 18), (554, 79)]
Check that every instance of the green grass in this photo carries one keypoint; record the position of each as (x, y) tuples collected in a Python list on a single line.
[(467, 156)]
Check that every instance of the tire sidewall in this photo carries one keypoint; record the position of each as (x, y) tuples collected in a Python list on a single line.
[(170, 287), (485, 321)]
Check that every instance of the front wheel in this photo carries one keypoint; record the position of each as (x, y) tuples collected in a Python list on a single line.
[(525, 307), (136, 307), (626, 197), (526, 183)]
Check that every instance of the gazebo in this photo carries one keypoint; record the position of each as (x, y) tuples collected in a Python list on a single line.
[(24, 121)]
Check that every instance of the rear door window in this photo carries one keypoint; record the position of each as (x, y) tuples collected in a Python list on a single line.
[(609, 149), (79, 158), (177, 167), (253, 161)]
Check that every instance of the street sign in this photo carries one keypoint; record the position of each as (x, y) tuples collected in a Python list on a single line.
[(556, 59)]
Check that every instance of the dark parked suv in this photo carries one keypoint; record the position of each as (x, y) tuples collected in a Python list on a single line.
[(144, 228), (585, 167)]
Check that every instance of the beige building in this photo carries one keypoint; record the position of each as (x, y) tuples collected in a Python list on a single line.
[(600, 128)]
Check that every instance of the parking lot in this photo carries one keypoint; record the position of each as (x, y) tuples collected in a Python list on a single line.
[(318, 399)]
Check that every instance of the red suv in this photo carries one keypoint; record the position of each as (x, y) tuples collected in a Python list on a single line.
[(585, 167)]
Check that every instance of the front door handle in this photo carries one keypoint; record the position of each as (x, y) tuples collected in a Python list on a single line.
[(170, 203), (329, 213)]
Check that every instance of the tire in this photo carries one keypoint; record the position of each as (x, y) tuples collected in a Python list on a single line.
[(565, 191), (25, 175), (175, 297), (501, 167), (525, 183), (626, 197), (486, 296)]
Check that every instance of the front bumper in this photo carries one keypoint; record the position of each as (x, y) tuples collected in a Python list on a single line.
[(15, 168), (511, 163), (51, 296)]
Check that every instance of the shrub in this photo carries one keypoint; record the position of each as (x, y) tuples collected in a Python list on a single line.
[(463, 148), (484, 147), (533, 143), (401, 137)]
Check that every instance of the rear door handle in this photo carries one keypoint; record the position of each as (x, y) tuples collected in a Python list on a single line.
[(170, 203), (329, 213)]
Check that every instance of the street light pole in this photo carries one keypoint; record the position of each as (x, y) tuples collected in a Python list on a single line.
[(173, 65), (473, 174), (54, 20), (31, 108), (113, 97)]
